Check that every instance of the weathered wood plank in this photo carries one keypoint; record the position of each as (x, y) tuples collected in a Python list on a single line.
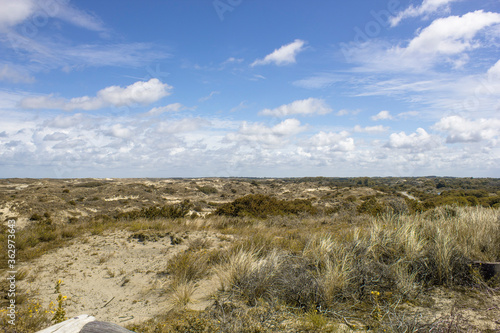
[(72, 325), (84, 324)]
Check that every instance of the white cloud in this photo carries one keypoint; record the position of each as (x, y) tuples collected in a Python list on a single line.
[(137, 93), (133, 54), (182, 125), (233, 60), (460, 129), (259, 133), (14, 12), (332, 141), (318, 81), (118, 131), (130, 146), (174, 107), (345, 112), (308, 106), (241, 106), (287, 127), (382, 115), (430, 93), (80, 18), (408, 114), (49, 54), (7, 73), (283, 56), (371, 129), (427, 7), (420, 140), (494, 71), (445, 41), (56, 136), (65, 121), (257, 77), (206, 98), (451, 35)]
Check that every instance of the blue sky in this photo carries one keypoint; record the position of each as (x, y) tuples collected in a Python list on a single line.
[(227, 88)]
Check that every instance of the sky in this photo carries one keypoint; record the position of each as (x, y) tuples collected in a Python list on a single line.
[(249, 88)]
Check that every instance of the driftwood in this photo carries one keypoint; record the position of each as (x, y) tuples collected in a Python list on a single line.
[(84, 324)]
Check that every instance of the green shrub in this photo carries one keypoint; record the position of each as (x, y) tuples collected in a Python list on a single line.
[(261, 206), (371, 207), (167, 211), (36, 217), (207, 189)]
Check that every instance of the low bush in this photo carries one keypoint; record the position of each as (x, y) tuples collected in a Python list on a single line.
[(262, 206), (207, 189), (168, 211)]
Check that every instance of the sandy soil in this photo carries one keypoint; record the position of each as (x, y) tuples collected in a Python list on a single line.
[(114, 277)]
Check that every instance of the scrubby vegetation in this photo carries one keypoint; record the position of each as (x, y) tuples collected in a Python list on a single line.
[(363, 255), (168, 212), (373, 270), (262, 206)]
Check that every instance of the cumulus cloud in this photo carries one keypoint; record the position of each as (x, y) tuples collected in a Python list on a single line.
[(420, 140), (453, 34), (259, 133), (382, 115), (118, 131), (283, 56), (332, 141), (460, 129), (129, 146), (14, 12), (308, 106), (427, 7), (138, 93)]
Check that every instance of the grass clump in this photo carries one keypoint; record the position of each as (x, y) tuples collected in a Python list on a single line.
[(373, 269), (191, 266)]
